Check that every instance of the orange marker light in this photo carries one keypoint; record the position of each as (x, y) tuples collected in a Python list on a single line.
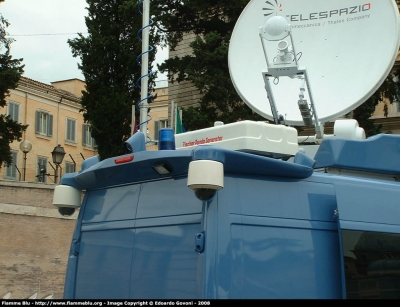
[(123, 159)]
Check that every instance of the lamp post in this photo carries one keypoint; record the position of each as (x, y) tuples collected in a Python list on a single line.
[(58, 155), (25, 147)]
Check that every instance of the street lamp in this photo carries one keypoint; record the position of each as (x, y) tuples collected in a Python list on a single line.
[(58, 155), (25, 147)]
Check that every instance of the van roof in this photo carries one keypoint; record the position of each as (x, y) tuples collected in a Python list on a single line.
[(111, 172)]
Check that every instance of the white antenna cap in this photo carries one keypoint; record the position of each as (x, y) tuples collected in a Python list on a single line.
[(276, 28)]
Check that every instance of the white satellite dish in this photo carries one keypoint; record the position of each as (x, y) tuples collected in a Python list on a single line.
[(348, 47)]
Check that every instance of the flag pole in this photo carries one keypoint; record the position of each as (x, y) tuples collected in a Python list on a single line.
[(173, 114)]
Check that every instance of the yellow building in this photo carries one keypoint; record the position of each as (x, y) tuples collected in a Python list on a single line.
[(52, 113)]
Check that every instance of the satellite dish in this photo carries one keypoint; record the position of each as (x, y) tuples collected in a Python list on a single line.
[(348, 47)]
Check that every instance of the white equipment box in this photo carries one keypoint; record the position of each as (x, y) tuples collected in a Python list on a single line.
[(248, 136)]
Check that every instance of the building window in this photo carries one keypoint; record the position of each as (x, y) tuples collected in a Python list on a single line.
[(71, 129), (69, 167), (11, 169), (13, 111), (159, 124), (41, 169), (87, 139), (44, 123)]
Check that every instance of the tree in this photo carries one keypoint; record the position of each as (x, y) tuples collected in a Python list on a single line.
[(10, 73), (108, 63), (207, 68), (387, 92)]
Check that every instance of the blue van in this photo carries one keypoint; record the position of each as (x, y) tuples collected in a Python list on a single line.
[(258, 227), (240, 211)]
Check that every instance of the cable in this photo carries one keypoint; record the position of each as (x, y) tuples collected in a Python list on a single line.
[(43, 34), (305, 140)]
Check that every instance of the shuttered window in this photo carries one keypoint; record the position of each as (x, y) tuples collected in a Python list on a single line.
[(87, 139), (69, 167), (71, 130), (159, 124), (13, 111), (11, 170), (44, 123)]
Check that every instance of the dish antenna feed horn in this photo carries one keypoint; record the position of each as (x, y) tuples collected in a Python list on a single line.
[(285, 65)]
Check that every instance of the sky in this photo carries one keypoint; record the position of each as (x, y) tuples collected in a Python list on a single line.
[(41, 29)]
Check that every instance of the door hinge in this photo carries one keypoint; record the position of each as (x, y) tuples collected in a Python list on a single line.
[(336, 213), (75, 247)]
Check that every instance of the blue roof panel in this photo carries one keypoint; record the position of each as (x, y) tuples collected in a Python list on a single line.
[(108, 173), (380, 153)]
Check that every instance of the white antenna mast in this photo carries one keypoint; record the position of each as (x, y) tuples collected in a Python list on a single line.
[(144, 106)]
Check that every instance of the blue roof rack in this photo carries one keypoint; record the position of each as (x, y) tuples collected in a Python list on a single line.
[(379, 154)]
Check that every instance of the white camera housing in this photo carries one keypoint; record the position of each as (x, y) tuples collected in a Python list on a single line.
[(66, 199), (205, 177)]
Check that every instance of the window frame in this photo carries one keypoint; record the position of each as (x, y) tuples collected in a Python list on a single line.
[(46, 160), (69, 167), (159, 124), (70, 130), (44, 127), (364, 207), (13, 109), (11, 170), (87, 139)]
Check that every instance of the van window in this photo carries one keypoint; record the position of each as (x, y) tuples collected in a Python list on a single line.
[(372, 264)]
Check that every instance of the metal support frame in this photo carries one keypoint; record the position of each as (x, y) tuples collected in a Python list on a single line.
[(270, 96), (287, 70)]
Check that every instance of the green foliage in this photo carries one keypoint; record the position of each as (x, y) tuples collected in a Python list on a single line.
[(200, 17), (10, 73), (10, 131), (387, 92), (362, 115), (108, 55), (207, 67)]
